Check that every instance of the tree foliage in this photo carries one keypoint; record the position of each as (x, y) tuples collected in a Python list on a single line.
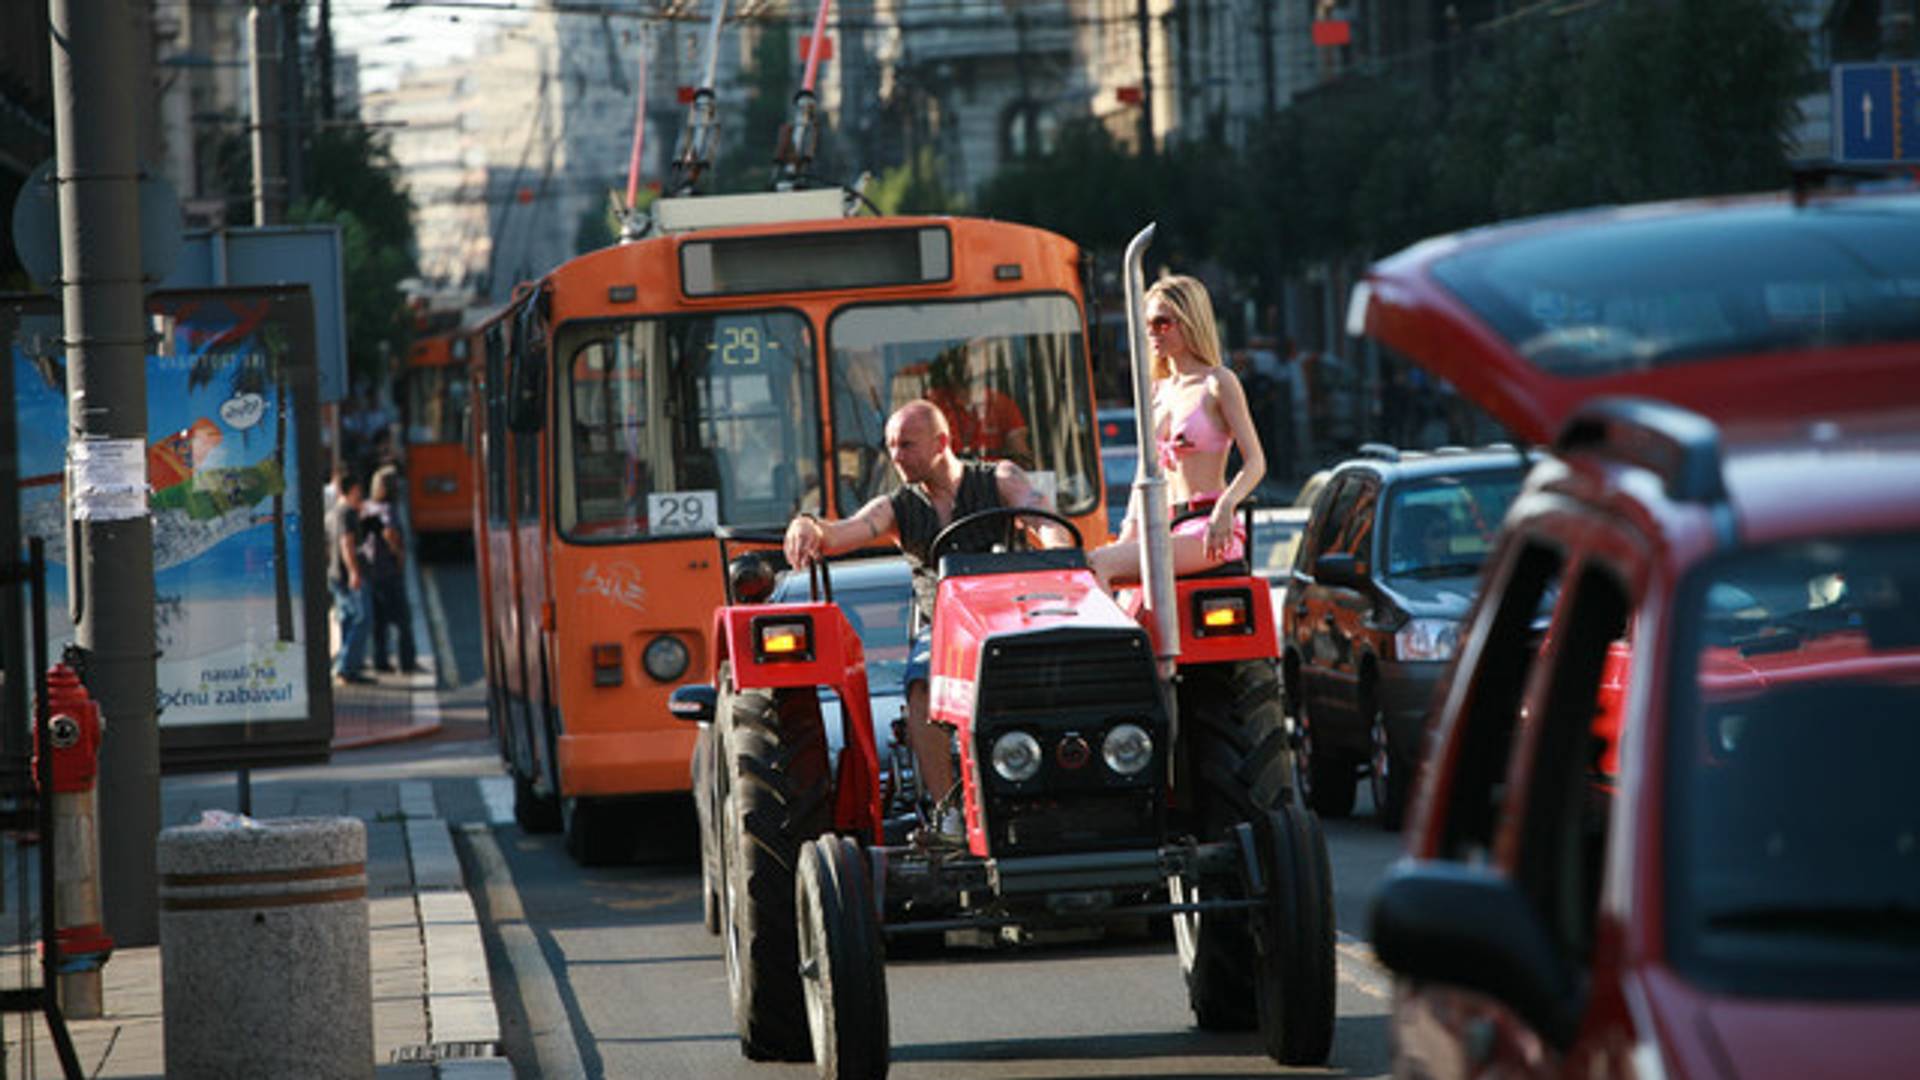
[(354, 183), (1638, 100)]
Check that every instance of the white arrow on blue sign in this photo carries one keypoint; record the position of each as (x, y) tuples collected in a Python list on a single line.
[(1876, 113)]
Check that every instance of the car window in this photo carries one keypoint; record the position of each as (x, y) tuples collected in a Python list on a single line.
[(1445, 526), (1274, 540), (1794, 863), (1558, 815), (1495, 673), (1356, 529), (1335, 504)]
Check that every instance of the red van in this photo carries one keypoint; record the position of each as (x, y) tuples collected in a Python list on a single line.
[(1720, 877)]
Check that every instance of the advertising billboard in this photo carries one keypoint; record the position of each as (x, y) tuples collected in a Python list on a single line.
[(234, 475)]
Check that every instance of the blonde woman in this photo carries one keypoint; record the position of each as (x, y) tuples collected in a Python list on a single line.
[(1199, 415)]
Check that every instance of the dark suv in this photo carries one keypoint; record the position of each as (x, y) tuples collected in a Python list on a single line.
[(1726, 546), (1380, 583)]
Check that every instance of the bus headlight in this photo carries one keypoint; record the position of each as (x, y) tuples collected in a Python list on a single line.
[(1016, 756), (1127, 749), (665, 658)]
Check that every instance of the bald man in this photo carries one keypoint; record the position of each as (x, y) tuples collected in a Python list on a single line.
[(937, 490)]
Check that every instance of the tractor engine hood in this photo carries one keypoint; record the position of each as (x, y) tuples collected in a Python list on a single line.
[(1063, 734)]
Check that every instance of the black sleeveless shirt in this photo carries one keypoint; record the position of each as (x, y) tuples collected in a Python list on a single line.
[(917, 523)]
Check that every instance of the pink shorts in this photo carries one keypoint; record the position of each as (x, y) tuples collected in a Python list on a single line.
[(1197, 526)]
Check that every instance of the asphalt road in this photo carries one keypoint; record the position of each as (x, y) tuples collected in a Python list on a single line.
[(608, 972)]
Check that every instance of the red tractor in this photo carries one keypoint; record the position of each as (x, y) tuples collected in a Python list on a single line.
[(1101, 779)]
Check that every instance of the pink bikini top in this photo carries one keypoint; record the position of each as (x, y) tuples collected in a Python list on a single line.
[(1194, 431)]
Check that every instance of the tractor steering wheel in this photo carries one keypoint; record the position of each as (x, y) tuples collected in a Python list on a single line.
[(947, 536)]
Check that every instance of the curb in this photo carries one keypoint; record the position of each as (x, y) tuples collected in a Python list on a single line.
[(463, 1024), (423, 704)]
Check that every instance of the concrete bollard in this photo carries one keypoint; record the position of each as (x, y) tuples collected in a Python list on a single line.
[(264, 949)]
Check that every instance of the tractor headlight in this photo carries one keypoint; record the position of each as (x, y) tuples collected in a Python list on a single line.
[(1016, 756), (665, 658), (1127, 749)]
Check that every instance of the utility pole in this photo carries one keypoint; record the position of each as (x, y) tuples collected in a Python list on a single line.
[(1266, 57), (263, 49), (323, 58), (1146, 79), (110, 559)]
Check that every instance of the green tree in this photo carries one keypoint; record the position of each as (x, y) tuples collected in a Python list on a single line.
[(1087, 187), (747, 162), (355, 184), (913, 187)]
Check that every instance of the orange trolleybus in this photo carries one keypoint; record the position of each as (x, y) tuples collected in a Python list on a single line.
[(735, 368), (436, 402)]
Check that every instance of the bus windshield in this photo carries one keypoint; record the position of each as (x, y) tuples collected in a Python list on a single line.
[(1007, 372), (436, 405), (671, 425)]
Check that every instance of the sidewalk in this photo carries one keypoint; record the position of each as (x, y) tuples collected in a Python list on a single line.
[(433, 1012)]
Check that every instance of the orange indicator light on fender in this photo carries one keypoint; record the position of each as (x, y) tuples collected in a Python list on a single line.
[(783, 639), (1226, 612)]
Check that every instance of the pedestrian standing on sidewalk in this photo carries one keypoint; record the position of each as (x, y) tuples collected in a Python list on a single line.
[(384, 550), (346, 578)]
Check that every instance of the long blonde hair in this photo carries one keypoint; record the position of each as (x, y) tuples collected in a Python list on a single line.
[(1188, 300)]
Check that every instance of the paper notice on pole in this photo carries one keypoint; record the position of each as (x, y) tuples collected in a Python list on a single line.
[(107, 479)]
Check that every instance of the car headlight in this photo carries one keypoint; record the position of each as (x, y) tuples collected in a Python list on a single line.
[(665, 658), (1127, 749), (1427, 639), (1016, 756)]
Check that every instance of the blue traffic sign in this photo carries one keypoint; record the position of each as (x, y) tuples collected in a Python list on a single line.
[(1876, 113)]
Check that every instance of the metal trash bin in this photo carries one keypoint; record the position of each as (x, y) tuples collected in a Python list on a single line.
[(264, 948)]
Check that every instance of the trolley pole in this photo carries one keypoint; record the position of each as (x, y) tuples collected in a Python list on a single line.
[(110, 548)]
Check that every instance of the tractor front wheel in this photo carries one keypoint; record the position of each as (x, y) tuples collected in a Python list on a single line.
[(842, 965), (773, 755), (1294, 982), (1237, 731)]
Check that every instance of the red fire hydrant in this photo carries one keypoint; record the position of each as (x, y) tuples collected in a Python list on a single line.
[(73, 731)]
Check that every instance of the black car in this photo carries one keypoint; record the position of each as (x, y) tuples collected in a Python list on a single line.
[(1380, 582)]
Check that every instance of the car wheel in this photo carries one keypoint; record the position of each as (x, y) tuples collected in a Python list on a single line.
[(1328, 782), (1386, 777), (779, 796)]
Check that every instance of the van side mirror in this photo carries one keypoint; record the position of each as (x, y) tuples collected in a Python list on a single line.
[(1336, 570), (692, 702), (1463, 926)]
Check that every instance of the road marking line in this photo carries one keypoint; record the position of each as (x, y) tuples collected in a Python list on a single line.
[(1361, 969)]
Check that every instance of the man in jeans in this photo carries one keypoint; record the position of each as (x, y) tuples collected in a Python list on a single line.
[(347, 580)]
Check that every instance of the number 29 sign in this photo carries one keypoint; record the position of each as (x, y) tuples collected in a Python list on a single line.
[(682, 512)]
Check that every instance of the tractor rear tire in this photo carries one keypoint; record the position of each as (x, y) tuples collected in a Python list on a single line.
[(1241, 768), (842, 962), (778, 797), (1295, 968)]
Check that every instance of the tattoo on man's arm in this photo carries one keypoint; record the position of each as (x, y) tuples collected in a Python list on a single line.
[(873, 528)]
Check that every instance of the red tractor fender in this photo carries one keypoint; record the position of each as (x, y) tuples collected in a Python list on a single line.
[(1254, 638), (833, 657)]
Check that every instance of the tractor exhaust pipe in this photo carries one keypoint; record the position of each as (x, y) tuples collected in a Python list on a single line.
[(1149, 480)]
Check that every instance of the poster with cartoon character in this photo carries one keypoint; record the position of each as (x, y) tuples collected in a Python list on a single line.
[(234, 481)]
